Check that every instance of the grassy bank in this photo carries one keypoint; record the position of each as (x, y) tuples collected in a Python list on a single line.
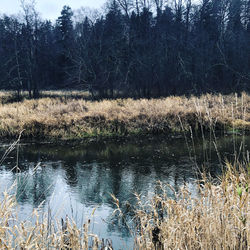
[(217, 218), (68, 115)]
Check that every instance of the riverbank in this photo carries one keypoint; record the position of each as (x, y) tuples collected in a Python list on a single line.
[(69, 116)]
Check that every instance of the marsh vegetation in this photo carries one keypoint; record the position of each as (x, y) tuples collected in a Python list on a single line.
[(67, 115)]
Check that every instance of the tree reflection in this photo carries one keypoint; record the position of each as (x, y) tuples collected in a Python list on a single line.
[(34, 187), (90, 173)]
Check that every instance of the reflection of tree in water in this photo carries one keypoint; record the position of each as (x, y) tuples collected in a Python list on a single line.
[(34, 187), (154, 150), (123, 166), (71, 175), (95, 182), (95, 171)]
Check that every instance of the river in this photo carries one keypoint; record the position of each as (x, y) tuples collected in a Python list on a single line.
[(77, 179)]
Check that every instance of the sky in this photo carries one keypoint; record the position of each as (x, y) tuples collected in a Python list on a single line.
[(49, 9)]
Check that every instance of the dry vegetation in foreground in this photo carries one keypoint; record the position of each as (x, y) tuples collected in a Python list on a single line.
[(67, 115), (45, 234), (219, 218)]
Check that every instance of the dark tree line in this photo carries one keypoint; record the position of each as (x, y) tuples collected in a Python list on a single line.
[(139, 48)]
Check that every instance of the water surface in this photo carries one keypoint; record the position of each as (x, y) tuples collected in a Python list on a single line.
[(77, 179)]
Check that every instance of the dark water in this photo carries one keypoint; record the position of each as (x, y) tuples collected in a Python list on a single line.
[(76, 180)]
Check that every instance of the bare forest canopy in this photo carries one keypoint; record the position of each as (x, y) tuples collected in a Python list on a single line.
[(134, 48)]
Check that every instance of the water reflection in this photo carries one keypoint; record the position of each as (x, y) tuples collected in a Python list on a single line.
[(75, 179)]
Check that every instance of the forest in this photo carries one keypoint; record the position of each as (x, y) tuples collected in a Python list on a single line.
[(132, 48)]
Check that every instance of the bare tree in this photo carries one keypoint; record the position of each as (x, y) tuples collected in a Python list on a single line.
[(31, 18)]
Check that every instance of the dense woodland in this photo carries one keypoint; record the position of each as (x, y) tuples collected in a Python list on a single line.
[(138, 48)]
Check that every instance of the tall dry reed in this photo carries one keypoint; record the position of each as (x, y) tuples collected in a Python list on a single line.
[(218, 218), (41, 234)]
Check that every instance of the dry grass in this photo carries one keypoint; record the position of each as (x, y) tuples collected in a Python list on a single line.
[(45, 234), (68, 115), (219, 218)]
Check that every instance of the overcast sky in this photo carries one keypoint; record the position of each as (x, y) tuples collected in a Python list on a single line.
[(49, 9)]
